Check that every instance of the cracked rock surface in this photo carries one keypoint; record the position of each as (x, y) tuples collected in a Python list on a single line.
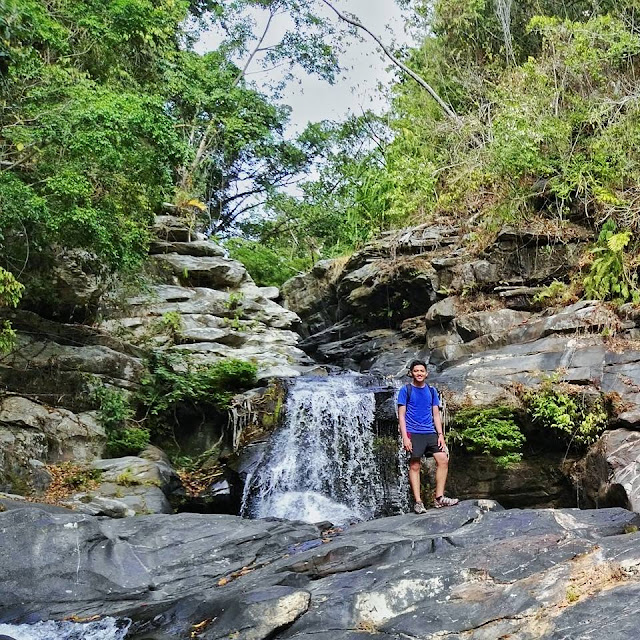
[(474, 571)]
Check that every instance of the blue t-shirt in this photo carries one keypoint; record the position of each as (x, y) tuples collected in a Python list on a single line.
[(419, 416)]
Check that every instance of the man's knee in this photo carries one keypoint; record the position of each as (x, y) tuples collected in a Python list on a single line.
[(442, 460), (414, 464)]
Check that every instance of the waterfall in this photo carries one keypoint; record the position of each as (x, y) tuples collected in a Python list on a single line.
[(320, 464)]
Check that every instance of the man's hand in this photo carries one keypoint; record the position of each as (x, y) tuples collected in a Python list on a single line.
[(441, 443), (408, 445)]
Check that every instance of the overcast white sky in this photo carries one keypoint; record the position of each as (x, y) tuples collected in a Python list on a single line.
[(365, 67)]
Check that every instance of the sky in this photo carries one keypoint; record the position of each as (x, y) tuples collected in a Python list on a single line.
[(312, 99)]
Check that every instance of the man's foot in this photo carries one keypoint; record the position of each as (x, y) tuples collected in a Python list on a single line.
[(443, 501), (418, 507)]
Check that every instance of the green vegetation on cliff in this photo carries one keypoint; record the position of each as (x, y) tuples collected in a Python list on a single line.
[(172, 384), (107, 111), (541, 128)]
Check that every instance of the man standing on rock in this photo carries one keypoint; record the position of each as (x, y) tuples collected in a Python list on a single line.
[(422, 434)]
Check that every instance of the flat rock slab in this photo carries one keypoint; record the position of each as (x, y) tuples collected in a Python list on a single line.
[(472, 571), (205, 271)]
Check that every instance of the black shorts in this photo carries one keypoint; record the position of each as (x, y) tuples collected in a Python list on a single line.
[(423, 444)]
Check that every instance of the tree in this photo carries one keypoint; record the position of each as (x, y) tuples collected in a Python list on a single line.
[(235, 162), (341, 208)]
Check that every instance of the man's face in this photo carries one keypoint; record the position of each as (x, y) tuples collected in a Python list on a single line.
[(419, 373)]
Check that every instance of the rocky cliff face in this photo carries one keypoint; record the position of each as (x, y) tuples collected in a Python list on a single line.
[(429, 292), (195, 300), (206, 304)]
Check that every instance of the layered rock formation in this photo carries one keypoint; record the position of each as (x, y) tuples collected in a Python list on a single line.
[(432, 292), (194, 299), (471, 571), (206, 304)]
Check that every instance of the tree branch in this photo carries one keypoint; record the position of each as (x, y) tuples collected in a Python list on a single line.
[(419, 79), (256, 49)]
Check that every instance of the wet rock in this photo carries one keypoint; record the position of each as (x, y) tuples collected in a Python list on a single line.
[(471, 570)]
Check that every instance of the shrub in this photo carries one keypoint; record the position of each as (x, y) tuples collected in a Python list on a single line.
[(612, 275), (567, 417), (493, 432), (114, 408), (173, 380), (264, 265), (10, 294), (128, 441)]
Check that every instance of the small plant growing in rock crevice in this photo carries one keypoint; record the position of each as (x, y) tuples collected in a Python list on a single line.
[(171, 324), (127, 442), (571, 418), (493, 432), (613, 274), (115, 413), (127, 479)]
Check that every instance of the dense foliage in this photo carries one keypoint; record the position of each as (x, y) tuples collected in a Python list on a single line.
[(493, 432), (544, 129), (569, 418), (107, 111), (172, 382)]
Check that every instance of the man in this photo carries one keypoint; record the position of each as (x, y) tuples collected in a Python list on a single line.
[(421, 429)]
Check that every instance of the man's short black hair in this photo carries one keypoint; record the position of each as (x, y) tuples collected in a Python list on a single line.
[(417, 363)]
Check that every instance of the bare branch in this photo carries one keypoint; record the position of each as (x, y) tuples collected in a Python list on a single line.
[(419, 79), (256, 49)]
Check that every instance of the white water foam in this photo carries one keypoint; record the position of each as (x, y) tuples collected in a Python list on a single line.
[(105, 629), (320, 465)]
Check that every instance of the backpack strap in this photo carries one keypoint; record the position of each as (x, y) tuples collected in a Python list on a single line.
[(408, 391)]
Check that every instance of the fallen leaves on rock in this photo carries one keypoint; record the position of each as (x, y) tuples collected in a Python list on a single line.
[(67, 478), (198, 628), (83, 619), (239, 573), (196, 481)]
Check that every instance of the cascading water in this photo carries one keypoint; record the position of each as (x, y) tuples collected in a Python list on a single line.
[(320, 465), (105, 629)]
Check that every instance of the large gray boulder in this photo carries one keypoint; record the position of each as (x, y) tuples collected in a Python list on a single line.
[(610, 472), (473, 325), (31, 432), (215, 272), (128, 486), (471, 571)]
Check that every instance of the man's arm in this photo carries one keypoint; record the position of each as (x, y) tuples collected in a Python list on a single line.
[(402, 425), (435, 409)]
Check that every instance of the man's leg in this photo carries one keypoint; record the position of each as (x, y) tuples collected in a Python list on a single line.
[(442, 469), (414, 478)]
